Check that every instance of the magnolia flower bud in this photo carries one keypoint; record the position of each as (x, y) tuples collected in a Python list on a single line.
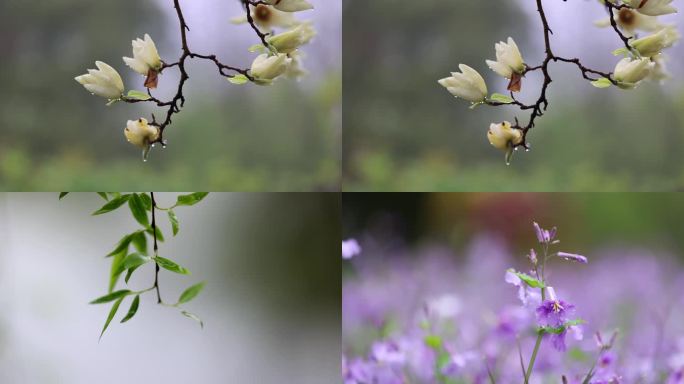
[(652, 45), (502, 136), (468, 85), (290, 5), (140, 133), (267, 17), (508, 59), (267, 68), (146, 60), (652, 7), (104, 82), (628, 71), (292, 39)]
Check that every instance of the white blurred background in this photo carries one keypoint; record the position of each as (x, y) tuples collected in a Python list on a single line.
[(271, 305)]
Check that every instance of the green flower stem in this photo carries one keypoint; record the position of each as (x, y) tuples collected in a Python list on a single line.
[(530, 365)]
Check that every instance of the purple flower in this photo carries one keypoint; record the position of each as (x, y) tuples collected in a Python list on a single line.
[(533, 256), (544, 236), (554, 313), (350, 248), (573, 257)]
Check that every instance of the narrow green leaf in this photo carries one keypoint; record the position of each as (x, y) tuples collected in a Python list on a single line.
[(194, 317), (191, 293), (238, 79), (257, 48), (103, 195), (433, 341), (123, 244), (529, 280), (62, 194), (111, 297), (112, 204), (134, 260), (160, 235), (132, 310), (138, 95), (139, 240), (174, 222), (146, 200), (112, 312), (501, 98), (601, 83), (621, 51), (191, 199), (130, 273), (171, 265), (138, 210), (115, 270)]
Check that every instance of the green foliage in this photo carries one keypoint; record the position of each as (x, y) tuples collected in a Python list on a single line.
[(133, 310), (529, 280), (501, 98), (191, 293), (191, 199), (122, 260), (171, 265), (137, 95)]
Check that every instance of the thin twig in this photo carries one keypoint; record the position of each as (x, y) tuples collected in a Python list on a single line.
[(154, 236)]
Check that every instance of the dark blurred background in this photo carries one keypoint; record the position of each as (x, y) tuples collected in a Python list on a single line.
[(271, 306), (56, 136), (585, 221), (405, 132)]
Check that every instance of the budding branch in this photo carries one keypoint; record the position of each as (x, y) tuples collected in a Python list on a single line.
[(178, 101), (542, 103)]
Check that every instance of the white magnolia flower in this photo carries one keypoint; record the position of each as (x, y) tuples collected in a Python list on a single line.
[(628, 72), (140, 133), (296, 69), (653, 44), (468, 85), (508, 59), (630, 21), (145, 56), (290, 5), (266, 68), (104, 81), (659, 71), (267, 17), (502, 136), (292, 39), (652, 7)]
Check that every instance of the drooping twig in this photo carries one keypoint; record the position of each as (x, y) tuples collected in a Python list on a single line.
[(542, 102), (154, 237), (178, 101)]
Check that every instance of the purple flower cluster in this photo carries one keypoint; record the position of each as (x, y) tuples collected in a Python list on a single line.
[(428, 315)]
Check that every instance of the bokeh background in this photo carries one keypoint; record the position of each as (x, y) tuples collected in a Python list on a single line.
[(271, 306), (56, 136), (404, 132), (448, 253)]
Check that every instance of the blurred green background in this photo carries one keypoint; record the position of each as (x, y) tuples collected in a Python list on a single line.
[(585, 221), (56, 136), (404, 132)]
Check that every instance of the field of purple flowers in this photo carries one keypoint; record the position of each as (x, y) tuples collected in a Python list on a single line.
[(487, 315)]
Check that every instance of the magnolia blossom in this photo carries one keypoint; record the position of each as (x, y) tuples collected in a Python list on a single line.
[(508, 59), (628, 72), (292, 39), (296, 69), (502, 135), (145, 56), (140, 133), (290, 5), (266, 68), (653, 44), (104, 81), (468, 85), (652, 7), (267, 17), (659, 72), (630, 21)]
